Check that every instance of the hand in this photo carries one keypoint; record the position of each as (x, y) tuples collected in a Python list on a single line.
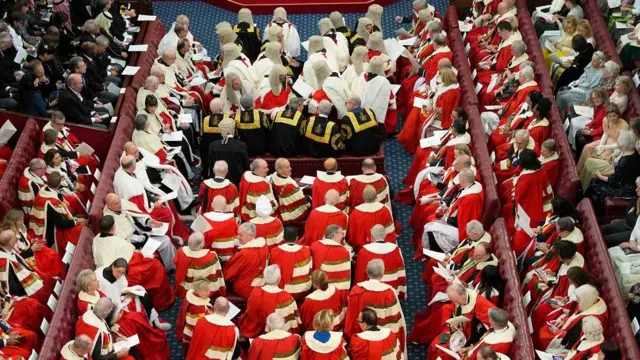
[(157, 205), (122, 353), (597, 174), (81, 221), (486, 17), (131, 13), (166, 128), (80, 187), (557, 45), (399, 19), (426, 200), (566, 64), (114, 71), (36, 82), (98, 104), (14, 338), (124, 55), (154, 224), (185, 125), (37, 246), (97, 119), (555, 19), (7, 309), (537, 230)]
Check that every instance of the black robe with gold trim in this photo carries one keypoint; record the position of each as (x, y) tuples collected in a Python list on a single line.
[(209, 132), (251, 38), (285, 138), (322, 137), (252, 127), (360, 133)]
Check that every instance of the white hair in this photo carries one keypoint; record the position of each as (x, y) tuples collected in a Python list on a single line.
[(519, 46), (272, 275), (375, 269), (475, 226), (249, 227), (275, 321), (527, 73), (378, 232), (587, 296), (196, 241), (220, 167), (324, 108), (612, 68), (355, 99), (524, 133), (627, 140)]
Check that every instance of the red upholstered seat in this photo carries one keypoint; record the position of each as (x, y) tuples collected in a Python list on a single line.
[(614, 208), (599, 265), (512, 298), (128, 106), (63, 324), (23, 152)]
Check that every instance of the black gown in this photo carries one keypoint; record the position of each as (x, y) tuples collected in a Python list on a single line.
[(285, 138), (253, 129), (234, 152), (322, 137), (209, 132), (360, 132), (622, 183), (251, 39)]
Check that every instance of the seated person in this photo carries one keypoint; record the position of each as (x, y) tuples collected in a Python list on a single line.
[(359, 129), (194, 261), (252, 127), (578, 90), (77, 106), (620, 231), (30, 95), (322, 137)]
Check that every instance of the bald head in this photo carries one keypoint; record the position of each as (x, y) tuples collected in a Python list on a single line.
[(128, 163), (7, 239), (331, 197), (369, 194), (216, 106), (331, 165), (82, 344), (74, 81), (221, 306), (130, 148), (219, 203), (368, 166), (113, 202)]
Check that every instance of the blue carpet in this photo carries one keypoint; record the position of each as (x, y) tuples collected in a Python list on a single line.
[(203, 18)]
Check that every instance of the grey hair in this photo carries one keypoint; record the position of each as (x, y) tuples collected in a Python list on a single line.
[(294, 102), (331, 231), (151, 81), (275, 321), (140, 122), (612, 68), (324, 108), (375, 269), (499, 317), (519, 46), (587, 296), (103, 308), (5, 36), (91, 25), (74, 63), (434, 25), (528, 63), (600, 56), (423, 3), (167, 52), (592, 328), (246, 101), (255, 164), (36, 164), (272, 275), (439, 39), (467, 174), (627, 141), (196, 241), (524, 133), (527, 73), (249, 227), (457, 288), (220, 167), (83, 277), (156, 70), (378, 232), (82, 342), (102, 40), (475, 226), (355, 99), (278, 163)]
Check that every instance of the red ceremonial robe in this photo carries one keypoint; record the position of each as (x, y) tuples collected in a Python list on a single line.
[(329, 299), (394, 270), (271, 101), (504, 169), (214, 337), (153, 341), (251, 188), (446, 99), (69, 142), (275, 345), (270, 228), (550, 165), (38, 221), (46, 260), (430, 66), (326, 181), (30, 342), (334, 349), (295, 267), (244, 269), (223, 235), (499, 340), (191, 265), (445, 152), (546, 335), (500, 136), (28, 187), (35, 285), (293, 206), (366, 216), (466, 207), (193, 309), (359, 182), (584, 349), (519, 96), (486, 96), (318, 221), (28, 313), (335, 260), (211, 188), (378, 343), (264, 301), (89, 324)]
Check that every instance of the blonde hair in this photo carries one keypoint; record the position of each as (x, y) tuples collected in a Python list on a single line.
[(463, 149), (586, 27), (323, 321), (14, 220), (448, 77), (570, 20), (319, 280)]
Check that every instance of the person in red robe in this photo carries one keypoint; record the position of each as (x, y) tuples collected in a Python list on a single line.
[(497, 58), (32, 179), (550, 161), (369, 176), (15, 340), (266, 300), (374, 341), (92, 324), (277, 97), (464, 302), (538, 125), (390, 255), (324, 297), (223, 235), (382, 298), (323, 216), (295, 264), (499, 337), (323, 343), (219, 185), (448, 225), (195, 306), (365, 216), (68, 142), (268, 227), (195, 261), (334, 258), (330, 179), (509, 166), (589, 345), (293, 206), (276, 343), (561, 327), (243, 271), (76, 349), (504, 133), (215, 336), (252, 185)]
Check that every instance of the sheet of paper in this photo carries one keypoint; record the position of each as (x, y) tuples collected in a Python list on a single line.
[(414, 63), (172, 151), (478, 88), (20, 56), (117, 61), (552, 33), (395, 88), (6, 132), (302, 88), (305, 45), (635, 326), (147, 17), (114, 119), (70, 248), (126, 344), (636, 79), (109, 108), (429, 142), (493, 107), (52, 303), (408, 42), (233, 311), (474, 73), (524, 221), (451, 353), (439, 297), (526, 299), (130, 70), (169, 196), (467, 48), (67, 258), (175, 136), (44, 326), (185, 118), (172, 181), (394, 49), (58, 287), (122, 91), (544, 15), (464, 27), (138, 48), (201, 225), (420, 102), (613, 4), (197, 81), (544, 355), (93, 188), (34, 355), (160, 230), (621, 25), (84, 149), (549, 45), (307, 180), (97, 174), (114, 89), (402, 32), (443, 272), (150, 247), (584, 111), (434, 254)]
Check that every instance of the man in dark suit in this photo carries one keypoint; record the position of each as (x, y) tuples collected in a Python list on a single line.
[(77, 107), (91, 79), (233, 151)]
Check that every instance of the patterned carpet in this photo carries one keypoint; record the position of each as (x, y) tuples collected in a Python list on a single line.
[(203, 18)]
